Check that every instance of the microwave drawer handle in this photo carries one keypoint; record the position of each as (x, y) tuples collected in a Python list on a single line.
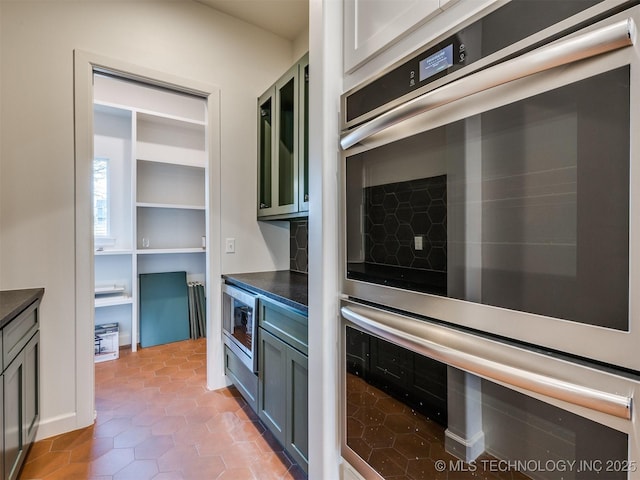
[(563, 52), (596, 400)]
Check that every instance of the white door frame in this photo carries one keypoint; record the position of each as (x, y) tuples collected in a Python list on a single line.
[(85, 64)]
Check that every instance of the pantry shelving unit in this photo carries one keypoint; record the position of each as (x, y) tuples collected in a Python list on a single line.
[(155, 142)]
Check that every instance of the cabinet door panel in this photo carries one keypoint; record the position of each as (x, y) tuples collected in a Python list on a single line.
[(265, 150), (13, 412), (372, 25), (303, 136), (18, 332), (272, 386), (277, 147), (31, 392), (287, 141), (2, 427), (298, 407)]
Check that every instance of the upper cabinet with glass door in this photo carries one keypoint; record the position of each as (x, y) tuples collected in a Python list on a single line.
[(283, 146), (303, 136)]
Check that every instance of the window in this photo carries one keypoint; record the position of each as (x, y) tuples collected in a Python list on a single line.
[(101, 227)]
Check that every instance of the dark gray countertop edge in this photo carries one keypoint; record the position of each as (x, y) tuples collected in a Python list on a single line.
[(13, 302), (288, 288)]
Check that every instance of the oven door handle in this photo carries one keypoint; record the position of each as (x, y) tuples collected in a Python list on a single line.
[(604, 39), (462, 355)]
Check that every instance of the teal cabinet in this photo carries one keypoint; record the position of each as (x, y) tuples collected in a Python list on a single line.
[(303, 135), (283, 401), (272, 404), (20, 388), (14, 441), (297, 427), (283, 159)]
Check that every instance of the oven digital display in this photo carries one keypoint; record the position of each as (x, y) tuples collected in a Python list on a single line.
[(437, 62)]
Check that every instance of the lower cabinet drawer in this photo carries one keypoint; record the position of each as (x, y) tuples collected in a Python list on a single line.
[(18, 332), (286, 324), (244, 379)]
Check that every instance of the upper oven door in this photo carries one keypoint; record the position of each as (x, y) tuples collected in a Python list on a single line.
[(502, 201)]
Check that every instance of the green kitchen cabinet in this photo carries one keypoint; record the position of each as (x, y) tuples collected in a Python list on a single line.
[(303, 135), (19, 388), (283, 190), (272, 384), (283, 377), (297, 431)]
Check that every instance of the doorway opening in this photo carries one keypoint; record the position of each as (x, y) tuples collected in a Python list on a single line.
[(147, 145), (149, 215)]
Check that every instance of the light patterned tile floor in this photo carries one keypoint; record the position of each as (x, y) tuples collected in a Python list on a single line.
[(156, 420)]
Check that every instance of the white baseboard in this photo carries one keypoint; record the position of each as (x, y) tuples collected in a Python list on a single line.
[(53, 426)]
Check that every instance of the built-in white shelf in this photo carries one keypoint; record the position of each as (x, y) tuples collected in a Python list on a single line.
[(101, 302), (150, 115), (110, 295), (109, 290), (171, 121), (165, 251), (112, 109), (164, 183), (113, 252), (187, 144), (170, 228), (170, 205)]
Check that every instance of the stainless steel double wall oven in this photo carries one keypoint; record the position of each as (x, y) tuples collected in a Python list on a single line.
[(491, 248)]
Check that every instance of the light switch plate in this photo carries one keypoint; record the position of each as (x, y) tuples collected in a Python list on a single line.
[(230, 245)]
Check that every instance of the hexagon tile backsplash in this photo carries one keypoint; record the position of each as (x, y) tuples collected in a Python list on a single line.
[(406, 224), (299, 238)]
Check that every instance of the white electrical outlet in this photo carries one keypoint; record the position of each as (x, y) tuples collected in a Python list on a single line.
[(230, 245), (418, 242)]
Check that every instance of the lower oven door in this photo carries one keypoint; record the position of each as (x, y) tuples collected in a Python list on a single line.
[(423, 401), (509, 210)]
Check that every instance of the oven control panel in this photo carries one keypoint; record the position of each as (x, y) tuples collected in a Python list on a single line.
[(432, 64), (512, 23)]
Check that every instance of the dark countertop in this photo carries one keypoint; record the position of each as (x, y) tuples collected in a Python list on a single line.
[(12, 302), (283, 286)]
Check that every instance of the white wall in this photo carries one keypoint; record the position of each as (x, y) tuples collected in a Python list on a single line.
[(301, 44), (184, 38)]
